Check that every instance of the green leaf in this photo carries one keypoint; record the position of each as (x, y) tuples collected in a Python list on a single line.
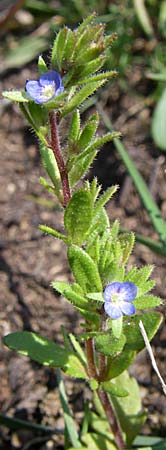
[(42, 66), (119, 363), (69, 48), (108, 344), (104, 198), (159, 122), (134, 339), (75, 368), (88, 132), (78, 349), (91, 67), (52, 232), (80, 167), (127, 243), (78, 300), (39, 116), (147, 301), (98, 143), (58, 49), (95, 441), (81, 96), (117, 327), (16, 96), (96, 297), (78, 216), (37, 348), (139, 276), (50, 164), (74, 127), (100, 76), (129, 409), (84, 269), (113, 388), (144, 193), (70, 427)]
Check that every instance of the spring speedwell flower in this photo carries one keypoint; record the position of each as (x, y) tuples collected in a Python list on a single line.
[(47, 87), (118, 297)]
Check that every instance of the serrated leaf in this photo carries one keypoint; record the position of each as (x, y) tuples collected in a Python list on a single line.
[(100, 222), (119, 363), (16, 96), (81, 96), (159, 122), (139, 276), (114, 388), (70, 293), (78, 216), (108, 344), (37, 348), (98, 143), (88, 132), (134, 339), (89, 54), (96, 297), (147, 301), (100, 76), (146, 287), (69, 47), (58, 49), (84, 269), (80, 167), (127, 243), (129, 409), (104, 198), (92, 66), (54, 233)]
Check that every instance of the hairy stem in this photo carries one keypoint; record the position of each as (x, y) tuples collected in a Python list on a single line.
[(92, 372), (112, 419), (55, 145)]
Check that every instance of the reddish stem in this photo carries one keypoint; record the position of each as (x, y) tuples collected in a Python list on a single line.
[(55, 145), (92, 372), (112, 419)]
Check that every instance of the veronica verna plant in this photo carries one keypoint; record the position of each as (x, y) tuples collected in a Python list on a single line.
[(110, 298)]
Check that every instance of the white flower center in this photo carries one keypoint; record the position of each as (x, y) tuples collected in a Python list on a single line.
[(48, 90)]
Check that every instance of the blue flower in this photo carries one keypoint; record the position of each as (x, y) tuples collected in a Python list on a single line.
[(47, 87), (118, 297)]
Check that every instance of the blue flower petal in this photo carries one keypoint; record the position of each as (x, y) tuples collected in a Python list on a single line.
[(127, 308), (112, 310), (129, 291), (33, 88), (49, 78), (46, 88), (111, 289)]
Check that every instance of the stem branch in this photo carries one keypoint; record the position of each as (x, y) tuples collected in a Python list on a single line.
[(55, 145)]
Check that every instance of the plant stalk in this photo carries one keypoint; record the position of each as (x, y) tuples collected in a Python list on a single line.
[(55, 145), (112, 419), (92, 372)]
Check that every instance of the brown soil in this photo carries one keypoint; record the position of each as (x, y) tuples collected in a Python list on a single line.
[(30, 261)]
